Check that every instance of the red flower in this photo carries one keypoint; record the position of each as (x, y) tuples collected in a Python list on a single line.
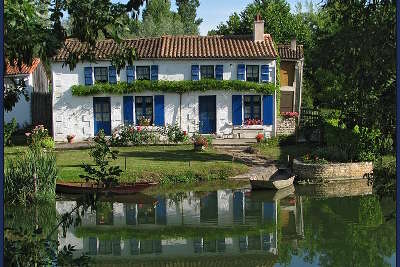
[(184, 133), (139, 128)]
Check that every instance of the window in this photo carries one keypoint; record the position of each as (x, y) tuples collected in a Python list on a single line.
[(101, 74), (207, 72), (143, 72), (252, 73), (144, 110), (252, 107)]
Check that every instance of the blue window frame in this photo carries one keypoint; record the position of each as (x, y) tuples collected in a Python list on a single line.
[(144, 109), (252, 107)]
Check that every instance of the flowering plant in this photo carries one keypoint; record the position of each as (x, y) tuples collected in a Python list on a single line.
[(253, 122), (143, 121), (39, 137), (70, 136), (199, 140), (289, 114), (259, 137)]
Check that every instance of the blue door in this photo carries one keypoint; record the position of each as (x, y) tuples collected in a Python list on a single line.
[(102, 115), (207, 114)]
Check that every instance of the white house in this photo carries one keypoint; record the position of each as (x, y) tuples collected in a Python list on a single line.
[(35, 81), (170, 58)]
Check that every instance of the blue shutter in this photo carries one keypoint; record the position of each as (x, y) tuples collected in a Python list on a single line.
[(195, 72), (112, 74), (128, 110), (154, 72), (219, 72), (159, 110), (241, 70), (264, 73), (88, 76), (237, 109), (268, 110), (130, 74)]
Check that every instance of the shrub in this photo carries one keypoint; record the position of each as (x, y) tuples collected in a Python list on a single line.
[(313, 158), (20, 173), (39, 138), (9, 129), (132, 135), (101, 153), (332, 154), (200, 140), (175, 134), (48, 143), (385, 176)]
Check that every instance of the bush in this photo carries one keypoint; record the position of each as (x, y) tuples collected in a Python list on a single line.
[(132, 135), (19, 185), (332, 154), (385, 176), (175, 134), (9, 129), (39, 138)]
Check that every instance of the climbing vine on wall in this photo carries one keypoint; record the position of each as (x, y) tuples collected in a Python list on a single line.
[(173, 87)]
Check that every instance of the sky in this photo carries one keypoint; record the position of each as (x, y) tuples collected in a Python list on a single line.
[(213, 12)]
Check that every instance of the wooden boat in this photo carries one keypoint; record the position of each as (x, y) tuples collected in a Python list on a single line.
[(121, 189), (281, 178), (272, 195)]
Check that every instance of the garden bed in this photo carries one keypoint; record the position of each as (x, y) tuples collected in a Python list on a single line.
[(320, 172)]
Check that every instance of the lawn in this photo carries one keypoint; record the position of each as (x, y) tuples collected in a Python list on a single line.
[(280, 152), (167, 164)]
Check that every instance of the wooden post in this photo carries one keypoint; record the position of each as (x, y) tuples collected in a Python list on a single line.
[(125, 163)]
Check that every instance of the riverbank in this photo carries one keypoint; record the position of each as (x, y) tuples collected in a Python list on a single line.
[(163, 164)]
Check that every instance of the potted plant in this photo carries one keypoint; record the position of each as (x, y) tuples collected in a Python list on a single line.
[(70, 138), (259, 137), (199, 142)]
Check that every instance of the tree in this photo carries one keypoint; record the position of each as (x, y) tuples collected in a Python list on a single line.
[(279, 21), (187, 12), (33, 28), (158, 20), (353, 64)]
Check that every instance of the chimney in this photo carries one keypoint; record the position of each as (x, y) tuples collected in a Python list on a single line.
[(293, 44), (258, 31)]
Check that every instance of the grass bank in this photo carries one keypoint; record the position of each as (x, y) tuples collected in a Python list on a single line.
[(280, 152), (165, 164)]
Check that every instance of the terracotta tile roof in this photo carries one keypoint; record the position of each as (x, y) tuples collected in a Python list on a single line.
[(285, 52), (25, 69), (179, 47)]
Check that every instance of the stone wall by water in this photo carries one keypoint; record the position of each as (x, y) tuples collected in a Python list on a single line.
[(331, 171), (285, 126)]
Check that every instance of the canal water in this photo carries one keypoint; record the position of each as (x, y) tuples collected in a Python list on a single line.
[(229, 227)]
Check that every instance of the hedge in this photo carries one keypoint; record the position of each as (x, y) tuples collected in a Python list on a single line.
[(172, 87)]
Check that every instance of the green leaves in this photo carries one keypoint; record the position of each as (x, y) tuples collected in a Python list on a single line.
[(173, 87), (101, 153)]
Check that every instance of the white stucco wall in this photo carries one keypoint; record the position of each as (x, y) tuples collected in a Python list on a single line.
[(74, 114), (22, 109)]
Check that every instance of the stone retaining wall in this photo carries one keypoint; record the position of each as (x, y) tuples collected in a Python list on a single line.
[(350, 187), (331, 171), (285, 126)]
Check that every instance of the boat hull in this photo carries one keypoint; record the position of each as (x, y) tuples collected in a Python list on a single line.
[(271, 184)]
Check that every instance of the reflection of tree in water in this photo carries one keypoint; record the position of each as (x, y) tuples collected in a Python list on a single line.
[(345, 232)]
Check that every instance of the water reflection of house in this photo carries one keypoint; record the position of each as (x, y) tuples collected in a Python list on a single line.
[(220, 209)]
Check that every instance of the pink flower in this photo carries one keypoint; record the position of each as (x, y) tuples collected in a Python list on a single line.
[(139, 128), (28, 134)]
